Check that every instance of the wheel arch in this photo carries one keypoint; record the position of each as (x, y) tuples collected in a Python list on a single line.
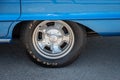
[(16, 30), (19, 26)]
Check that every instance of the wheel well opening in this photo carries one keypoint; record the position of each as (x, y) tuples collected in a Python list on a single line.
[(18, 28)]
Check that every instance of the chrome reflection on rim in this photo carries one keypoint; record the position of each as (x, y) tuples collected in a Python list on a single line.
[(53, 39)]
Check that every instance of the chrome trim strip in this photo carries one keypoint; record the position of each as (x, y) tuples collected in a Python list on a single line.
[(5, 40)]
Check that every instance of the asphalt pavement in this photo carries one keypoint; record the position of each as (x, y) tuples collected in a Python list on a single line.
[(99, 61)]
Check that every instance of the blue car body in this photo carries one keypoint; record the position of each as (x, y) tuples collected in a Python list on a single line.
[(102, 16)]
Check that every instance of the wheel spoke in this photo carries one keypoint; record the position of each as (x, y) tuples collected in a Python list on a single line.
[(42, 28), (58, 25), (55, 48), (42, 43), (66, 38)]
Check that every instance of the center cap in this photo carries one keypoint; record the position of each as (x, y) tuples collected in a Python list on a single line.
[(53, 38)]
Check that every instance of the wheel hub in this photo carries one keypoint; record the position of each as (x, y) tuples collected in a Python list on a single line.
[(54, 36)]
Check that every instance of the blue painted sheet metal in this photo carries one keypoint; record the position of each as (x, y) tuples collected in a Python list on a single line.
[(103, 16), (70, 9), (4, 26), (73, 1), (9, 10), (69, 16)]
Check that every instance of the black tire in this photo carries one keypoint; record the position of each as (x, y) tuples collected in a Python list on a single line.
[(79, 37)]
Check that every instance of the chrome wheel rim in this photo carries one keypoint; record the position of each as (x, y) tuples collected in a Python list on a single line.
[(53, 39)]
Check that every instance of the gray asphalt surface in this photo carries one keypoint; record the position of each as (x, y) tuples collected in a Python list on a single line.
[(99, 61)]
